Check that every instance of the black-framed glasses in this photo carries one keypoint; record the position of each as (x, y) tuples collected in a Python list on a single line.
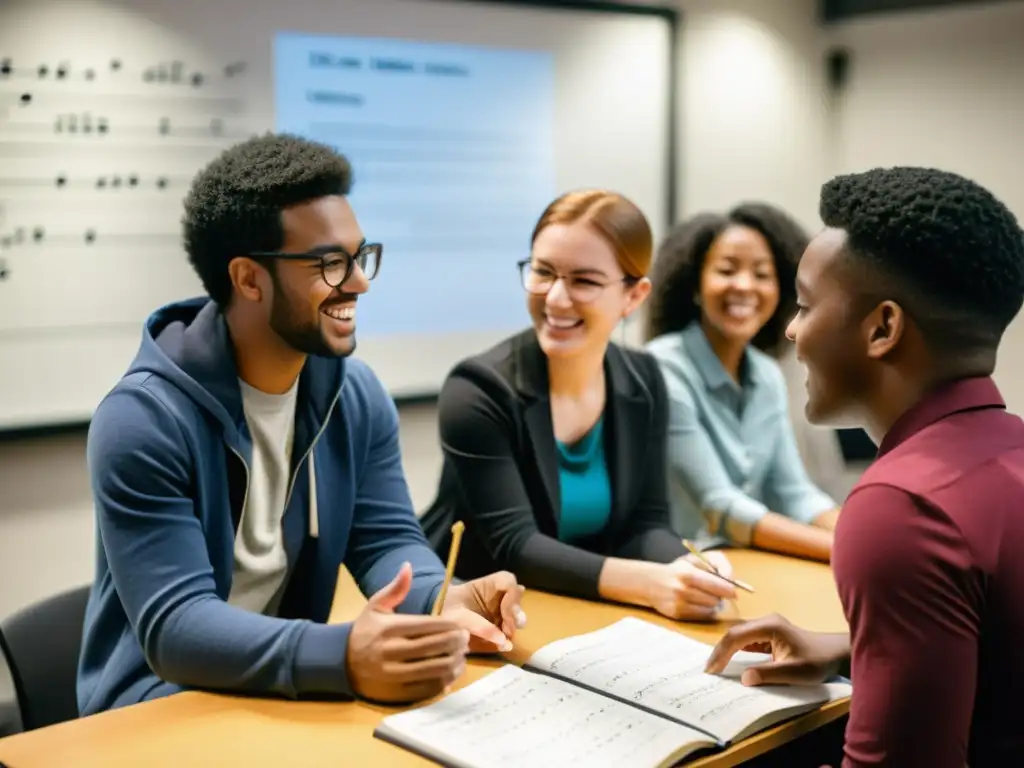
[(336, 264), (538, 280)]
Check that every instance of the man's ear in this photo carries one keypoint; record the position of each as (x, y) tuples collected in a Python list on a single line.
[(883, 328), (244, 274)]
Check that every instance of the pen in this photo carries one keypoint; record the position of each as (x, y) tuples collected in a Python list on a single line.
[(453, 553), (710, 566)]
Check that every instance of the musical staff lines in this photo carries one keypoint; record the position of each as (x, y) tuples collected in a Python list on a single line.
[(13, 101), (132, 180), (87, 124), (93, 149), (163, 72), (27, 237)]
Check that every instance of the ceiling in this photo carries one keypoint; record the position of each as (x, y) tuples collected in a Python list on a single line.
[(838, 10)]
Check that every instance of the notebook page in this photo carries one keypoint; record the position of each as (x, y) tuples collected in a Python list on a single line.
[(517, 718), (662, 670)]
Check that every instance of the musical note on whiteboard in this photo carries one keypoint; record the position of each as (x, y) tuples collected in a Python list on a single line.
[(85, 123)]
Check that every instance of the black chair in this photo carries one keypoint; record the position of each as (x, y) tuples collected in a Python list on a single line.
[(41, 646)]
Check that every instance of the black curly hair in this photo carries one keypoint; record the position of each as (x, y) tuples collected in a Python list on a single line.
[(942, 245), (680, 260), (235, 203)]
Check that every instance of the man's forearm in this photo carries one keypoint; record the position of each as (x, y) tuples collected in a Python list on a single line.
[(837, 645), (210, 644)]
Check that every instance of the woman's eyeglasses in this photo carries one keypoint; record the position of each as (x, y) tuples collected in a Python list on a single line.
[(538, 280)]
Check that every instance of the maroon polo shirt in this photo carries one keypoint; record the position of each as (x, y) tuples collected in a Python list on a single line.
[(929, 561)]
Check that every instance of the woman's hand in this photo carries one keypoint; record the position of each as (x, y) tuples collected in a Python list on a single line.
[(685, 590)]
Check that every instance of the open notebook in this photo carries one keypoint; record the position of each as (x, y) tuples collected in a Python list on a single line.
[(633, 693)]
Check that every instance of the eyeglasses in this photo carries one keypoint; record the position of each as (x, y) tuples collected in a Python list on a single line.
[(336, 264), (539, 280)]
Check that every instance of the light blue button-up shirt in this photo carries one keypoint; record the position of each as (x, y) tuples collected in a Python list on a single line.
[(732, 451)]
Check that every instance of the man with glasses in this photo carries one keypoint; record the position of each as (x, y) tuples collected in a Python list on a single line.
[(244, 457)]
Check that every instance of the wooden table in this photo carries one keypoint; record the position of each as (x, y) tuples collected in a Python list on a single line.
[(205, 729)]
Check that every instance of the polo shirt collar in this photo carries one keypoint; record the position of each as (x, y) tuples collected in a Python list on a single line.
[(950, 398)]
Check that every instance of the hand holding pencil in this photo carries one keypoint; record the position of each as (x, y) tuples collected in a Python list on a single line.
[(717, 570), (489, 607)]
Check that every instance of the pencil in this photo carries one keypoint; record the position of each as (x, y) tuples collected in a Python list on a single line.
[(710, 566), (453, 554)]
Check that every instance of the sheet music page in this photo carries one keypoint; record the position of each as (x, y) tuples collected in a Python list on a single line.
[(517, 718), (662, 670)]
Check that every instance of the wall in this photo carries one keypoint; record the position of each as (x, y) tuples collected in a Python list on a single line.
[(754, 125), (941, 88), (752, 122)]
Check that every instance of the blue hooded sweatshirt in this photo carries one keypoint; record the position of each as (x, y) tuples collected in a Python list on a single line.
[(169, 455)]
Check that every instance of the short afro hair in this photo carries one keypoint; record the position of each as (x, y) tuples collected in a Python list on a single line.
[(235, 203), (680, 261), (953, 254)]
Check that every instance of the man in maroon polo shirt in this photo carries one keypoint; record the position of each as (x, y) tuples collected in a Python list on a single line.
[(903, 300)]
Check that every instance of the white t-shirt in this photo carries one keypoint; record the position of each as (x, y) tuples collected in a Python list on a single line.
[(261, 563)]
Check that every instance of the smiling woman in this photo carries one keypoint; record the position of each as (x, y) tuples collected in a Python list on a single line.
[(723, 294), (554, 440)]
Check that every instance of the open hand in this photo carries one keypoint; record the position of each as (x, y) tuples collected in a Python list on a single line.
[(798, 655), (489, 608), (401, 658)]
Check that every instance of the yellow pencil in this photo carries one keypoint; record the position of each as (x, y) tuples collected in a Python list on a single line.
[(453, 555), (711, 567)]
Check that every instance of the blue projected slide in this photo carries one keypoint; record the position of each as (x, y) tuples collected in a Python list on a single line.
[(453, 159)]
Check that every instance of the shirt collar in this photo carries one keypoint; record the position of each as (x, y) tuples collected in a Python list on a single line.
[(698, 348), (953, 397)]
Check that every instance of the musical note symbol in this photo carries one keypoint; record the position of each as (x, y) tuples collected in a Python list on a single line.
[(87, 123), (235, 68), (197, 79), (115, 65), (5, 272), (62, 71), (42, 71), (217, 127), (72, 123), (101, 125), (25, 98), (161, 183), (90, 236), (176, 71), (38, 233), (61, 180), (101, 182), (90, 74), (5, 67), (133, 180), (161, 72), (164, 126)]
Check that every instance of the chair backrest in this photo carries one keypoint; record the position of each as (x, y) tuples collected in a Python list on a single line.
[(41, 645)]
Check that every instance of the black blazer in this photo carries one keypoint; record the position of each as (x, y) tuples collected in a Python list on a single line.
[(500, 472)]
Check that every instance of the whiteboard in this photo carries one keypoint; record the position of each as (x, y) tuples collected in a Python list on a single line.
[(107, 110)]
